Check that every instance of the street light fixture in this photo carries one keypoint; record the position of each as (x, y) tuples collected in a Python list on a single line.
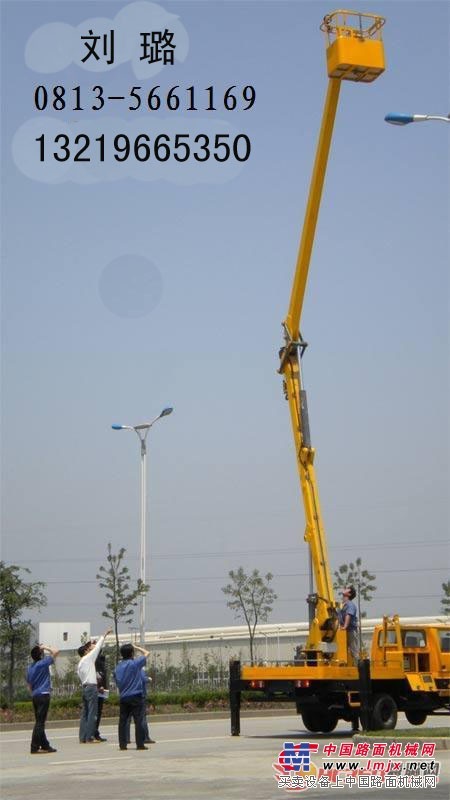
[(142, 431), (405, 119)]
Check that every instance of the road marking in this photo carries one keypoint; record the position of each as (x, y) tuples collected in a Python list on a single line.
[(192, 739), (114, 744), (52, 735), (53, 732), (87, 760)]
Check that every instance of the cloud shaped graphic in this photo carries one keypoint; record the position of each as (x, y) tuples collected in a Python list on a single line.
[(53, 47), (130, 286)]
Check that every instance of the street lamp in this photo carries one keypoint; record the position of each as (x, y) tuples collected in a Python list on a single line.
[(142, 430), (405, 119)]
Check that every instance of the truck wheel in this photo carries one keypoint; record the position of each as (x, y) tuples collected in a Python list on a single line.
[(327, 721), (319, 719), (384, 712), (311, 721), (416, 717)]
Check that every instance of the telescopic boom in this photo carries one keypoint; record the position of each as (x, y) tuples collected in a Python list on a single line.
[(354, 52)]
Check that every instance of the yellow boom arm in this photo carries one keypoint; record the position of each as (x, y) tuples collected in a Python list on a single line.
[(354, 52)]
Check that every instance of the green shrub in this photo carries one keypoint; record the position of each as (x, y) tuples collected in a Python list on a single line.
[(69, 707), (199, 697), (23, 705), (67, 702)]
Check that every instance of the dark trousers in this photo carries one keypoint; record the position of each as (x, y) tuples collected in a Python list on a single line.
[(131, 706), (144, 723), (41, 704), (101, 700)]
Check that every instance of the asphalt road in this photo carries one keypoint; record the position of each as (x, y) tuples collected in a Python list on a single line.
[(192, 759)]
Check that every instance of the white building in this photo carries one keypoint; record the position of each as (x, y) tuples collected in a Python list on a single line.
[(273, 642), (63, 636)]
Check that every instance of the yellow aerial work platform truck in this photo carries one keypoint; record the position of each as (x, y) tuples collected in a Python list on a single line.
[(409, 666)]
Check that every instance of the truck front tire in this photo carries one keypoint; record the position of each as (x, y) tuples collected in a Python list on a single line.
[(416, 717), (384, 713)]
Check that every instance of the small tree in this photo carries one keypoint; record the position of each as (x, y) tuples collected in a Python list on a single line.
[(16, 596), (66, 680), (121, 600), (352, 574), (188, 670), (251, 600), (445, 601)]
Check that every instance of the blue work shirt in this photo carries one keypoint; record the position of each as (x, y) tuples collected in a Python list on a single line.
[(145, 681), (38, 676), (129, 678), (350, 609)]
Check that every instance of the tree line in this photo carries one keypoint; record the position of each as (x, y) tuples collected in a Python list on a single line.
[(249, 596)]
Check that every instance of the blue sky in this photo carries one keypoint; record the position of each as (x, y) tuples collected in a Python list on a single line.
[(215, 262)]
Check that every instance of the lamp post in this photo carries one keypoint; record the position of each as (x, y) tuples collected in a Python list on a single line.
[(142, 431), (405, 119)]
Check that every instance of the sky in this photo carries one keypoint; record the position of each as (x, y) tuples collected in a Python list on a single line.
[(131, 286)]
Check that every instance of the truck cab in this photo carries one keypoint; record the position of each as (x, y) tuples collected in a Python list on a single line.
[(412, 664)]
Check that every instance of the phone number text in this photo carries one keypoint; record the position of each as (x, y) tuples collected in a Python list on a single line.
[(177, 98), (180, 147)]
